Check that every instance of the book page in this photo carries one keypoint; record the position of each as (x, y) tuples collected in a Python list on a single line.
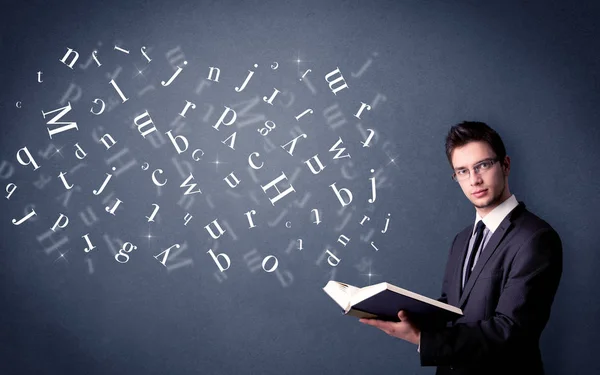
[(340, 292)]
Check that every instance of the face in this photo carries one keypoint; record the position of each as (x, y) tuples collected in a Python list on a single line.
[(493, 182)]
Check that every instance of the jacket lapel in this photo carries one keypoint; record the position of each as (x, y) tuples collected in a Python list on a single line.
[(463, 243), (488, 251)]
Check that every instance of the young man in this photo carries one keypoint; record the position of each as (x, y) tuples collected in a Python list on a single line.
[(502, 271)]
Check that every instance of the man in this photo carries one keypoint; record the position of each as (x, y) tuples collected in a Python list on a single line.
[(503, 271)]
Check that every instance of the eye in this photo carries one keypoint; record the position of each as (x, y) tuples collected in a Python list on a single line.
[(461, 172), (485, 165)]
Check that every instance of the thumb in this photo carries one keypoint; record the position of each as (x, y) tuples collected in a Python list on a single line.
[(402, 315)]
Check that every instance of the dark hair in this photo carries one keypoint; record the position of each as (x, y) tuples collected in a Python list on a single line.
[(472, 131)]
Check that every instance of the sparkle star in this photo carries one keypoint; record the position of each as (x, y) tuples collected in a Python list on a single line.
[(149, 236), (217, 162), (62, 256), (392, 160), (58, 152), (299, 61), (139, 72), (370, 274)]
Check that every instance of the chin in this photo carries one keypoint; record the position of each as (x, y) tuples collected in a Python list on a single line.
[(489, 201)]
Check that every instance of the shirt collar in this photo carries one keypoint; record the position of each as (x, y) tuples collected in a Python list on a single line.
[(495, 217)]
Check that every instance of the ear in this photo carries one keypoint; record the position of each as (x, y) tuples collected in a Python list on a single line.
[(506, 165)]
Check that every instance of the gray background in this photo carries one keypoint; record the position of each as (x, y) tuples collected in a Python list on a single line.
[(530, 70)]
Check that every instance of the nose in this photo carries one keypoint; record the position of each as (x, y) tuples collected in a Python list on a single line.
[(475, 178)]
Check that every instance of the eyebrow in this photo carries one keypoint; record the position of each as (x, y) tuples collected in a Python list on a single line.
[(480, 161)]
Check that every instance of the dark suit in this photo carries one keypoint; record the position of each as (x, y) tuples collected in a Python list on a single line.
[(506, 301)]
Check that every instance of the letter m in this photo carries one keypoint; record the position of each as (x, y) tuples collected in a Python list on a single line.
[(54, 121)]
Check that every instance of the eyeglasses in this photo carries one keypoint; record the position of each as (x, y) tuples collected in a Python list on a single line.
[(479, 168)]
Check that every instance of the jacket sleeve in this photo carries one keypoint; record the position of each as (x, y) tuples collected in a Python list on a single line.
[(521, 314), (446, 279)]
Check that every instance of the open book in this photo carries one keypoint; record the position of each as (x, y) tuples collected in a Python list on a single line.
[(383, 301)]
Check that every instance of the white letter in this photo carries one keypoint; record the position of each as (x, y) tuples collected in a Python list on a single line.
[(312, 169), (66, 56), (337, 260), (211, 232), (264, 262), (252, 165), (64, 180), (166, 252), (340, 78), (123, 98), (141, 126), (101, 109), (362, 107), (273, 183), (339, 196), (216, 259), (174, 141), (58, 222), (10, 189), (54, 121), (185, 109), (222, 118), (293, 142), (249, 215), (79, 153), (32, 213), (235, 180), (30, 159)]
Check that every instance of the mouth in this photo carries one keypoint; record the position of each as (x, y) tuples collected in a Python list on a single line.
[(480, 193)]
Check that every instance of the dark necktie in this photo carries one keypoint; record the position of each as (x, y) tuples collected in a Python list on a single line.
[(478, 237)]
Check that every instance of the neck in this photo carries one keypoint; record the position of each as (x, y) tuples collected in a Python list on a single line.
[(486, 210)]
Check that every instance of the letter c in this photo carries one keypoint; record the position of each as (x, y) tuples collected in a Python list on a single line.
[(19, 105), (154, 177), (194, 154), (252, 163)]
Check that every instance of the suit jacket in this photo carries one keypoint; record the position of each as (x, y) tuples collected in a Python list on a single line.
[(506, 301)]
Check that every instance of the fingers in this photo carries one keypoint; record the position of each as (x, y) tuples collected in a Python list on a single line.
[(371, 322), (374, 322)]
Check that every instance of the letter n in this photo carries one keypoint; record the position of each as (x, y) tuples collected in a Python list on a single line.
[(66, 56)]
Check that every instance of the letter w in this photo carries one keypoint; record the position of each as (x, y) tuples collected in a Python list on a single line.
[(339, 150), (190, 186)]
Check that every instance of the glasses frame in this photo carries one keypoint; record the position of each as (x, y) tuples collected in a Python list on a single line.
[(476, 169)]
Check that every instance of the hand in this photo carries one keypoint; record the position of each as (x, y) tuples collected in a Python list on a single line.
[(404, 329)]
